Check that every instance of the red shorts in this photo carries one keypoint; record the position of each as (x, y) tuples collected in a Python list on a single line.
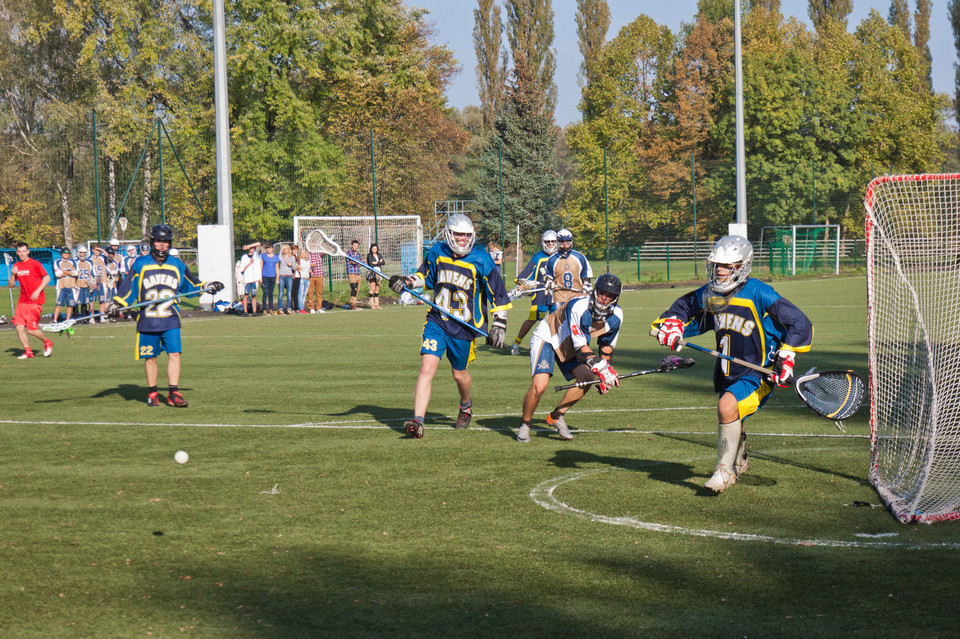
[(28, 315)]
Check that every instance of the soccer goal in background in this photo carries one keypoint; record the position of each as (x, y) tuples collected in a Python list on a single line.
[(801, 248), (913, 293), (398, 237)]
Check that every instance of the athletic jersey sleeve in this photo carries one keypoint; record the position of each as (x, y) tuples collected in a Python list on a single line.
[(497, 291), (529, 271), (586, 271), (614, 322), (797, 327), (580, 321), (189, 283), (689, 309)]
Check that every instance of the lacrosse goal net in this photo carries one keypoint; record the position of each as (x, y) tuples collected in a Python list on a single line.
[(913, 289), (399, 239)]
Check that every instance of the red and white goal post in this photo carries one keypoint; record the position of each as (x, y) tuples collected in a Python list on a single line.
[(913, 294)]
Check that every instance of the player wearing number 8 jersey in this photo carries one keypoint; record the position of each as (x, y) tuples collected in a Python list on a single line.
[(568, 272), (158, 276), (464, 280), (752, 322)]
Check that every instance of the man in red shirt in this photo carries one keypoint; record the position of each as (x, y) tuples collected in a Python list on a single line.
[(33, 278)]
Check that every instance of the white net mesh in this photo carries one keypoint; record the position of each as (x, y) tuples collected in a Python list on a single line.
[(913, 280), (398, 237)]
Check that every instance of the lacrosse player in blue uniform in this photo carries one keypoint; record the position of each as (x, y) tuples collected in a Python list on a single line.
[(464, 280), (563, 339), (752, 322), (534, 275), (159, 276)]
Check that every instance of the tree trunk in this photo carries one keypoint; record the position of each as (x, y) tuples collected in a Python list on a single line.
[(147, 185), (112, 194), (64, 188)]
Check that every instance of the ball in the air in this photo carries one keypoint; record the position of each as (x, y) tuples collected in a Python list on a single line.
[(181, 457)]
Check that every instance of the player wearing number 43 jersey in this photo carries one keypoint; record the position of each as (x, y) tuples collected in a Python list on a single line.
[(159, 277), (752, 322), (464, 280)]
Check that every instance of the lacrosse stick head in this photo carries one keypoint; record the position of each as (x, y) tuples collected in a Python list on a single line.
[(835, 395), (319, 242), (672, 363)]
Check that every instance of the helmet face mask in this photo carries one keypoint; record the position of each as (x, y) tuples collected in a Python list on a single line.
[(160, 233), (459, 234), (729, 264), (564, 242), (610, 286), (549, 242)]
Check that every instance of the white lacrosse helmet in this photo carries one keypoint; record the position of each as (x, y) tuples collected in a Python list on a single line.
[(733, 251), (459, 223), (549, 236)]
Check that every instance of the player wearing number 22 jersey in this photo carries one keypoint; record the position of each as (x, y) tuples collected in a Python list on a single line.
[(148, 281)]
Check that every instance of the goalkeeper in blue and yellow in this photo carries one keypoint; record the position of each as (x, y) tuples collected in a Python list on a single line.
[(752, 322), (158, 276)]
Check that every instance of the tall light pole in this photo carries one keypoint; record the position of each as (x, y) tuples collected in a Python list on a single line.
[(740, 228), (222, 113)]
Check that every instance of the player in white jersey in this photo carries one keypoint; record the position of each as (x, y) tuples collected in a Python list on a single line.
[(563, 339)]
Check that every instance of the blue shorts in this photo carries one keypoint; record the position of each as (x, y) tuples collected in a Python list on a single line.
[(250, 289), (149, 345), (66, 297), (538, 312), (544, 360), (751, 393), (435, 341), (83, 295)]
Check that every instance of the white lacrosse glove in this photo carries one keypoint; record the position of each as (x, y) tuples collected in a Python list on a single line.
[(670, 333), (783, 368), (548, 284), (602, 369), (586, 289), (515, 293), (498, 330)]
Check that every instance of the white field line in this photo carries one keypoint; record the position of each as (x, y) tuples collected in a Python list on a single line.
[(381, 424), (543, 495)]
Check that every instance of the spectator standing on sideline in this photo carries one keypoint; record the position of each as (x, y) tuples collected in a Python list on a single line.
[(32, 278), (375, 260), (66, 274), (315, 287), (295, 285), (269, 274), (304, 269), (85, 283), (353, 272), (285, 269), (250, 270), (496, 255)]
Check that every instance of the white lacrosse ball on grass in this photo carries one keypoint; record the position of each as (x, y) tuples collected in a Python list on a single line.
[(181, 457)]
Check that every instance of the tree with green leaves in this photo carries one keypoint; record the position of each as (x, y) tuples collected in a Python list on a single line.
[(620, 108), (899, 16), (491, 58), (593, 21), (526, 140), (921, 36), (530, 33), (820, 10), (953, 11)]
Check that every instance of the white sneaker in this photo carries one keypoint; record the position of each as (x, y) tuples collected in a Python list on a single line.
[(523, 433), (561, 426), (47, 348), (312, 311), (515, 349), (320, 310), (721, 480)]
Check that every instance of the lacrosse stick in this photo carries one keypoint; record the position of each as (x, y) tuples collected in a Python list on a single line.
[(8, 259), (67, 325), (319, 242), (517, 293), (834, 395), (667, 364)]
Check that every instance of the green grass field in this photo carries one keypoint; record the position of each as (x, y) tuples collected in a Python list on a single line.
[(463, 533)]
